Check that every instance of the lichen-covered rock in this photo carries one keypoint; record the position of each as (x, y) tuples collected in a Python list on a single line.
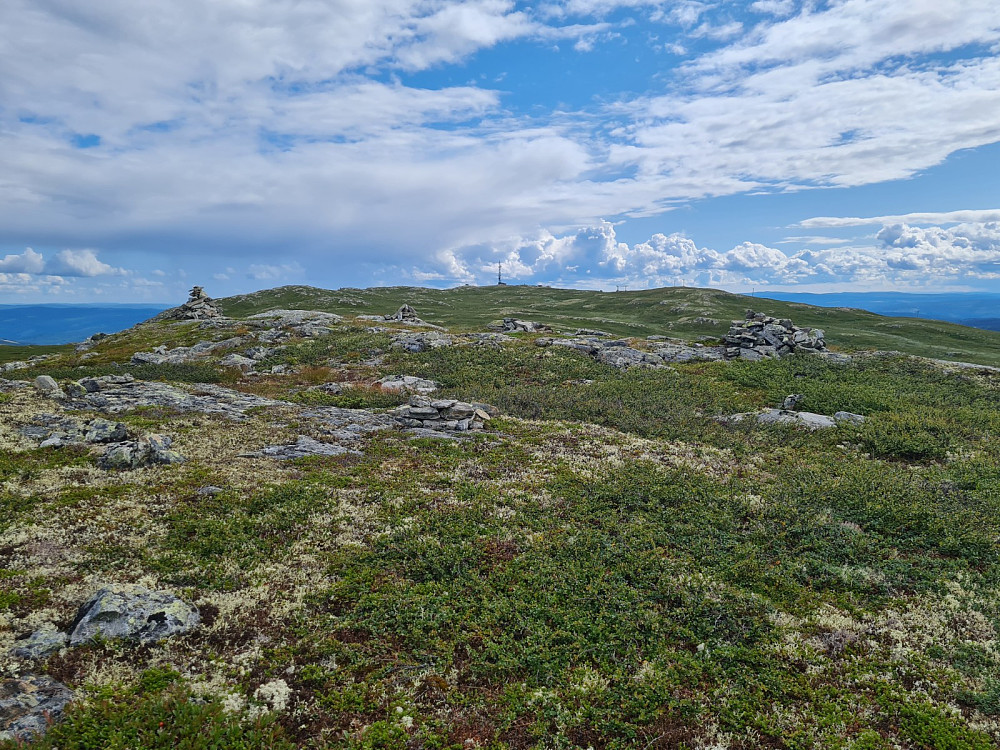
[(44, 641), (145, 451), (47, 386), (516, 325), (407, 383), (133, 613), (53, 430), (160, 355), (625, 357), (246, 364), (28, 704), (302, 447), (421, 342)]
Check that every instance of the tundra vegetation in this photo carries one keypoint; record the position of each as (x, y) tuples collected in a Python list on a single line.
[(606, 565)]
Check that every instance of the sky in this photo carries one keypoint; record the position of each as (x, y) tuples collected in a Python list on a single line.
[(793, 145)]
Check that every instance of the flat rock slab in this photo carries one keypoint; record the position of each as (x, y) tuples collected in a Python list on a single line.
[(281, 318), (408, 383), (134, 613), (806, 419), (114, 398), (28, 704), (40, 644), (302, 447)]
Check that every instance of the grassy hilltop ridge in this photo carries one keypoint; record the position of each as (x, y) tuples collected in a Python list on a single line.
[(676, 311), (606, 565)]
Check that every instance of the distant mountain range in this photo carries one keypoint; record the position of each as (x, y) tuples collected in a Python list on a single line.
[(63, 324), (976, 309)]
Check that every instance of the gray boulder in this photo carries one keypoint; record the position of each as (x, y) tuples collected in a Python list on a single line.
[(28, 704), (246, 364), (846, 417), (41, 643), (133, 613), (145, 451), (302, 447), (48, 387)]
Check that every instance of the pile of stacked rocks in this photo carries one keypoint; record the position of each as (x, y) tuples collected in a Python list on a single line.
[(198, 307), (761, 336), (443, 414)]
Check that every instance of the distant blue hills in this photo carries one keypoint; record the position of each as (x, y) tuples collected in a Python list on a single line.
[(976, 309), (64, 324)]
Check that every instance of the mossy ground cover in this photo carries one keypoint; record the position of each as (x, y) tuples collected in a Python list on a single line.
[(608, 566)]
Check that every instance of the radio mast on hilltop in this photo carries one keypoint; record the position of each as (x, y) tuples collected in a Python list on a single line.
[(500, 281)]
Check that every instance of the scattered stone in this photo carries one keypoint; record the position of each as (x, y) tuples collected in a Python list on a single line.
[(303, 446), (790, 402), (407, 383), (421, 342), (53, 431), (134, 613), (135, 454), (761, 336), (198, 307), (209, 490), (28, 704), (684, 353), (44, 641), (89, 343), (590, 332), (48, 387), (309, 319), (495, 340), (443, 414), (11, 366), (237, 360), (515, 325)]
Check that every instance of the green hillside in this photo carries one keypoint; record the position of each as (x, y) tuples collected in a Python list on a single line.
[(682, 312)]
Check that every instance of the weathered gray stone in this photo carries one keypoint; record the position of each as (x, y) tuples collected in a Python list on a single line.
[(421, 342), (237, 360), (198, 307), (28, 704), (791, 401), (446, 415), (302, 447), (47, 386), (41, 643), (133, 613), (144, 451), (408, 383), (516, 325), (848, 417)]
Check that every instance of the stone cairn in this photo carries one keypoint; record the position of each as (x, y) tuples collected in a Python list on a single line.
[(198, 307), (761, 336), (443, 414)]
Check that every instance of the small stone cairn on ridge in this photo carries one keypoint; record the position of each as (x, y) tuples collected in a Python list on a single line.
[(446, 414), (198, 307), (761, 336)]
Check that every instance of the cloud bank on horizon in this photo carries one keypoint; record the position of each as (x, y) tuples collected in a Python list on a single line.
[(578, 142)]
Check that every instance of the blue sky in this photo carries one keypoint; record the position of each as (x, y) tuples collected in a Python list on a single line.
[(243, 144)]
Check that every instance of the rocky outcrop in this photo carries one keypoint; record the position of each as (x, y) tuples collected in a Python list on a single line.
[(761, 336), (304, 323), (405, 312), (407, 383), (805, 419), (145, 451), (28, 704), (302, 447), (198, 307), (516, 325), (446, 415), (53, 431), (119, 393), (184, 354), (133, 613)]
